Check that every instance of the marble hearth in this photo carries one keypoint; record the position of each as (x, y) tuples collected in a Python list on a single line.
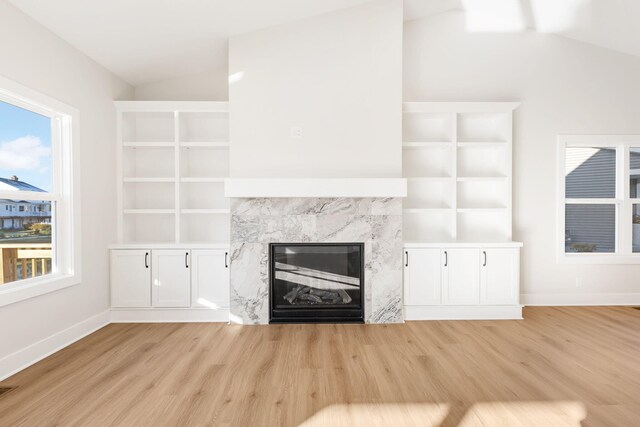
[(256, 222)]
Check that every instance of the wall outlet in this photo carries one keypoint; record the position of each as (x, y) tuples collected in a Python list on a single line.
[(296, 132), (578, 282)]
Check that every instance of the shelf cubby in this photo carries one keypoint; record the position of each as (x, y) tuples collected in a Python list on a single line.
[(484, 127), (204, 162), (425, 194), (202, 228), (203, 195), (148, 162), (434, 161), (429, 226), (477, 194), (484, 225), (205, 127), (149, 228), (427, 127), (482, 161), (147, 195), (151, 127)]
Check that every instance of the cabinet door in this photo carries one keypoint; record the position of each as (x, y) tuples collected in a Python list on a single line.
[(422, 274), (130, 278), (171, 278), (500, 276), (210, 279), (461, 276)]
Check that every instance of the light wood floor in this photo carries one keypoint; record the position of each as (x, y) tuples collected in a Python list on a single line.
[(559, 366)]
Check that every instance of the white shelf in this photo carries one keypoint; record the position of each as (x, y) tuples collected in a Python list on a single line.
[(434, 144), (174, 158), (205, 144), (464, 193), (148, 211), (466, 210), (147, 179), (480, 144), (202, 179), (205, 211), (429, 178), (425, 210), (481, 178), (148, 144)]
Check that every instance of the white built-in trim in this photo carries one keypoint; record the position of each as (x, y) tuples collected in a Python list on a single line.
[(463, 312), (169, 315), (23, 358), (335, 187), (459, 244), (581, 299)]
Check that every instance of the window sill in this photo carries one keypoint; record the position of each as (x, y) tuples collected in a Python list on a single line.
[(29, 288), (586, 258)]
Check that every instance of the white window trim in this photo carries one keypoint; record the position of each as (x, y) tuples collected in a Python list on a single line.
[(65, 191), (623, 202)]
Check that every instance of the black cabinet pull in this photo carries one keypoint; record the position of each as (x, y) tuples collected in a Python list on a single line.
[(186, 260), (446, 259), (226, 263), (484, 253), (406, 263), (146, 260)]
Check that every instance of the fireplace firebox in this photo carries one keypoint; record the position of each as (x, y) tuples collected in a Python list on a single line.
[(316, 282)]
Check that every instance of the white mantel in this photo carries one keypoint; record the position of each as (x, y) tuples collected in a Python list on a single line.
[(309, 187)]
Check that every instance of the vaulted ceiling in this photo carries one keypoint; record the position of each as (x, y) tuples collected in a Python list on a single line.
[(151, 40)]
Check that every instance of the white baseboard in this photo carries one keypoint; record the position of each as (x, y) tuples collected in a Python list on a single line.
[(462, 312), (560, 299), (168, 315), (21, 359)]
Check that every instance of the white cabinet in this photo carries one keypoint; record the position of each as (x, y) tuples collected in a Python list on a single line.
[(461, 277), (499, 276), (131, 278), (171, 278), (422, 276), (462, 281), (210, 278)]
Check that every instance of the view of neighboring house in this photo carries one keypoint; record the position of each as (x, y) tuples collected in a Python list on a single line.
[(16, 214), (591, 173)]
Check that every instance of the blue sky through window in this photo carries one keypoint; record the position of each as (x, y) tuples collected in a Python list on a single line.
[(25, 146)]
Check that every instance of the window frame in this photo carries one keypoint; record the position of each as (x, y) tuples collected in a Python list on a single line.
[(623, 202), (65, 193)]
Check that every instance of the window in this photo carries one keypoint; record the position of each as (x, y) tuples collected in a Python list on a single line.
[(39, 227), (599, 204)]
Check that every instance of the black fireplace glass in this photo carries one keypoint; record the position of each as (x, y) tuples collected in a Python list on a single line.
[(317, 282)]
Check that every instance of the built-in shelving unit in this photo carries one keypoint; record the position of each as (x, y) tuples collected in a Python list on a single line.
[(173, 159), (457, 160)]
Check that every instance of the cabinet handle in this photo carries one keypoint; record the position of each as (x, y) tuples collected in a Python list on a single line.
[(226, 263), (146, 260), (446, 259), (484, 253), (186, 260), (406, 263)]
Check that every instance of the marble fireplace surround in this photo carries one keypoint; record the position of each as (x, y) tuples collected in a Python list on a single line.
[(256, 222)]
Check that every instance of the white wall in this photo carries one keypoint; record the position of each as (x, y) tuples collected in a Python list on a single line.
[(34, 57), (211, 85), (338, 76), (565, 86)]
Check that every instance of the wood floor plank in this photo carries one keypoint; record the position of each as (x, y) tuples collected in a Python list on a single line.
[(574, 366)]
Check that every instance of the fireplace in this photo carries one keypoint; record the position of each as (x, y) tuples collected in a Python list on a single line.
[(316, 282)]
